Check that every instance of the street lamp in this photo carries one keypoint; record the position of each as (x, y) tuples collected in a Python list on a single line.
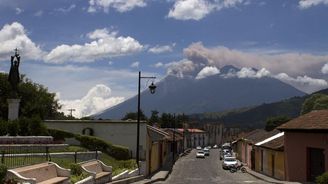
[(152, 88)]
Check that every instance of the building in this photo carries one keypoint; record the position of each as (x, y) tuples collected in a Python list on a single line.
[(194, 137), (269, 156), (306, 146), (214, 133)]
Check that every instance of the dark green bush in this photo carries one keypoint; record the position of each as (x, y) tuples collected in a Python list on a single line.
[(13, 128), (118, 152), (76, 169), (3, 127), (58, 134), (37, 127), (94, 143), (3, 173), (23, 124), (322, 179)]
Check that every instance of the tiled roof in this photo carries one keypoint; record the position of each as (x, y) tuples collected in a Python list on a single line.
[(276, 144), (191, 130), (259, 135), (315, 120)]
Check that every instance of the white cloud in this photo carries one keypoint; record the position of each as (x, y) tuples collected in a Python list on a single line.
[(324, 69), (18, 11), (119, 5), (304, 4), (14, 36), (161, 49), (66, 10), (97, 99), (104, 44), (159, 65), (207, 71), (304, 83), (135, 64), (198, 9), (38, 13)]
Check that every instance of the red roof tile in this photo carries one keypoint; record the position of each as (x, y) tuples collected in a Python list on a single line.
[(315, 120)]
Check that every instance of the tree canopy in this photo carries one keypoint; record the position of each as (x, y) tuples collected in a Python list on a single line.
[(35, 99), (273, 122), (315, 102)]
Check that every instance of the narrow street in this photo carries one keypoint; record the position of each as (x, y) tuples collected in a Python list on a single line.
[(192, 170)]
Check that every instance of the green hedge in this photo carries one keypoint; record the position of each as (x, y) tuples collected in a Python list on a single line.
[(94, 143), (58, 134), (322, 179), (3, 172)]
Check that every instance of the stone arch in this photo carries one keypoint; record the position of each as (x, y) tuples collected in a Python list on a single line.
[(87, 131)]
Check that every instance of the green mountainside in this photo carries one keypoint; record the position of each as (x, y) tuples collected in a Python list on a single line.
[(255, 117)]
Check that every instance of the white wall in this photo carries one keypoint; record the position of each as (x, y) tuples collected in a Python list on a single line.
[(117, 132)]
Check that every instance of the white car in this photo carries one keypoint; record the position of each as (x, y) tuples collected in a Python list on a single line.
[(215, 147), (198, 148), (200, 154), (206, 151), (228, 162)]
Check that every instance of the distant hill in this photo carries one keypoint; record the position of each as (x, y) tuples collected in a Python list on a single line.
[(255, 117), (211, 94)]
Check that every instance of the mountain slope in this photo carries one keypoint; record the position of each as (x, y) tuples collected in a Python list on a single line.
[(211, 94), (256, 117)]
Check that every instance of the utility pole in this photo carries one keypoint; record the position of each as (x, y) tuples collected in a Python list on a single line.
[(71, 111)]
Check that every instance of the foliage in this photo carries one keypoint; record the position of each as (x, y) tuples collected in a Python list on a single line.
[(35, 99), (153, 118), (3, 172), (134, 116), (13, 127), (10, 181), (76, 169), (168, 120), (3, 127), (58, 134), (315, 102), (273, 122), (94, 143), (36, 126), (322, 179), (76, 178)]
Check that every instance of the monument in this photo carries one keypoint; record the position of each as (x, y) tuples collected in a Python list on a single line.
[(14, 79)]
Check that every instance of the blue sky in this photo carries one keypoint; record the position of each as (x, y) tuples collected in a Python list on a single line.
[(89, 52)]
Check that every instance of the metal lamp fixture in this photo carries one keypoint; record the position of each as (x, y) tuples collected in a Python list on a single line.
[(152, 88)]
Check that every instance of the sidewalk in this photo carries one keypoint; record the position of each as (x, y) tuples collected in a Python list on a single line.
[(163, 173), (267, 178)]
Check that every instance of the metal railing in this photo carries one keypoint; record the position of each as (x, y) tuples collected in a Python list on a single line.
[(22, 155)]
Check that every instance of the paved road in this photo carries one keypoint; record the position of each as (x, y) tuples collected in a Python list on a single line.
[(192, 170)]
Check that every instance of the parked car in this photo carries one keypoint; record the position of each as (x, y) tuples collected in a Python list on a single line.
[(225, 152), (200, 154), (229, 162), (215, 147), (206, 151), (198, 148)]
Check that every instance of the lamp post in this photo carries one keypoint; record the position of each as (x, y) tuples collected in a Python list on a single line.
[(152, 88)]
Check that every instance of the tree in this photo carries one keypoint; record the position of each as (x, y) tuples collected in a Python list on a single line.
[(315, 102), (35, 99), (154, 117), (273, 122), (134, 116)]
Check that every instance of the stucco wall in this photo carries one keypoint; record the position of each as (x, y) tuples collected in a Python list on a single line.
[(117, 132), (296, 145), (279, 163)]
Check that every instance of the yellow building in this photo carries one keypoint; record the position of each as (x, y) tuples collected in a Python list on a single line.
[(269, 156)]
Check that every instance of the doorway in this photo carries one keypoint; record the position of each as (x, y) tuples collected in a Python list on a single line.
[(315, 163)]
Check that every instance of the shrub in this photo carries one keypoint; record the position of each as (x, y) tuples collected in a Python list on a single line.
[(37, 127), (94, 143), (3, 127), (76, 169), (58, 134), (3, 173), (13, 128), (322, 179), (23, 125), (119, 152)]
